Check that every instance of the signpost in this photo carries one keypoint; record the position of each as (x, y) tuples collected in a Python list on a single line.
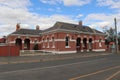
[(116, 39)]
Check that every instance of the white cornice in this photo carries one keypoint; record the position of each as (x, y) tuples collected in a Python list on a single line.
[(24, 35)]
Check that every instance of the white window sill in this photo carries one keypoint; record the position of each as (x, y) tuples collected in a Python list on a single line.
[(53, 46), (67, 47)]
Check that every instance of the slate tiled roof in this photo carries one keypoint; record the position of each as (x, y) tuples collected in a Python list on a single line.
[(27, 32), (59, 26), (71, 27)]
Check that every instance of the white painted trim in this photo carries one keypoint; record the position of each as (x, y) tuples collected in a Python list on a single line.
[(87, 41), (96, 40), (23, 42), (65, 52), (67, 47), (20, 35), (12, 42), (72, 40), (88, 50), (53, 52), (81, 50), (93, 41), (98, 50), (102, 41), (81, 41), (53, 46), (59, 39)]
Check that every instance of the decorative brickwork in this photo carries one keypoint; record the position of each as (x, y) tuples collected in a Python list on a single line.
[(61, 38)]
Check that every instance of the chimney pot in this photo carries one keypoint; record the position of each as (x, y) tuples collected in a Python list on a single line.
[(37, 27), (18, 26), (80, 23)]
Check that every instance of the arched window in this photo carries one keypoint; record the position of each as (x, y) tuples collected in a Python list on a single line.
[(27, 44), (19, 43), (48, 43), (53, 42), (35, 47), (78, 42), (67, 41)]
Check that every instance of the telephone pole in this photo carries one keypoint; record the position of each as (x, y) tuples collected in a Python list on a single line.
[(116, 39)]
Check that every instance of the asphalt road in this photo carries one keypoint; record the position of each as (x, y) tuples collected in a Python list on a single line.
[(106, 67)]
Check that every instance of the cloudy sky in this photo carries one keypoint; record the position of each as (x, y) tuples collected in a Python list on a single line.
[(97, 14)]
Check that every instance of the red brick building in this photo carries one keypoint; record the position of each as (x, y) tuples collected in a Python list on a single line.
[(61, 38)]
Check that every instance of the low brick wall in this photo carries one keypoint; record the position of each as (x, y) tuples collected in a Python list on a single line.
[(9, 51)]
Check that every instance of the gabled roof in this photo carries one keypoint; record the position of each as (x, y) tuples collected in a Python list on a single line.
[(71, 27), (27, 32)]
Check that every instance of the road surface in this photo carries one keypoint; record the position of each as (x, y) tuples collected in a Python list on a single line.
[(106, 67)]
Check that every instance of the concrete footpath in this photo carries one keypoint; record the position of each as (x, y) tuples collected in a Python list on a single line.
[(42, 58)]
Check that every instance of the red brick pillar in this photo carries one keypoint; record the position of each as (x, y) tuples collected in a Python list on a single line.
[(93, 45)]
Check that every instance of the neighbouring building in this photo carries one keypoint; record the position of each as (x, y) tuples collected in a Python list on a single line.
[(2, 41), (61, 38)]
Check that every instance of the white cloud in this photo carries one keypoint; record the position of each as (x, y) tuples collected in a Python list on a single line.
[(76, 2), (57, 9), (15, 3), (17, 11), (111, 3), (101, 20), (11, 14), (48, 21), (51, 1), (79, 16), (67, 2)]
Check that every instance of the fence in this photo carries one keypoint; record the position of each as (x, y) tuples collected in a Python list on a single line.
[(9, 51)]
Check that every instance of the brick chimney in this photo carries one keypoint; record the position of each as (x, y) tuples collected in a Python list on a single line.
[(37, 27), (80, 23), (18, 26)]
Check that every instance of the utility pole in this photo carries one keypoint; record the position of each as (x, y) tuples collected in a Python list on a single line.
[(116, 39)]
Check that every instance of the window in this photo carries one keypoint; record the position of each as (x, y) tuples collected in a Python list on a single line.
[(48, 43), (78, 41), (53, 42), (35, 47), (67, 42)]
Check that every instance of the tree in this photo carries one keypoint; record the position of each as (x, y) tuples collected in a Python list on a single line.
[(110, 36)]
